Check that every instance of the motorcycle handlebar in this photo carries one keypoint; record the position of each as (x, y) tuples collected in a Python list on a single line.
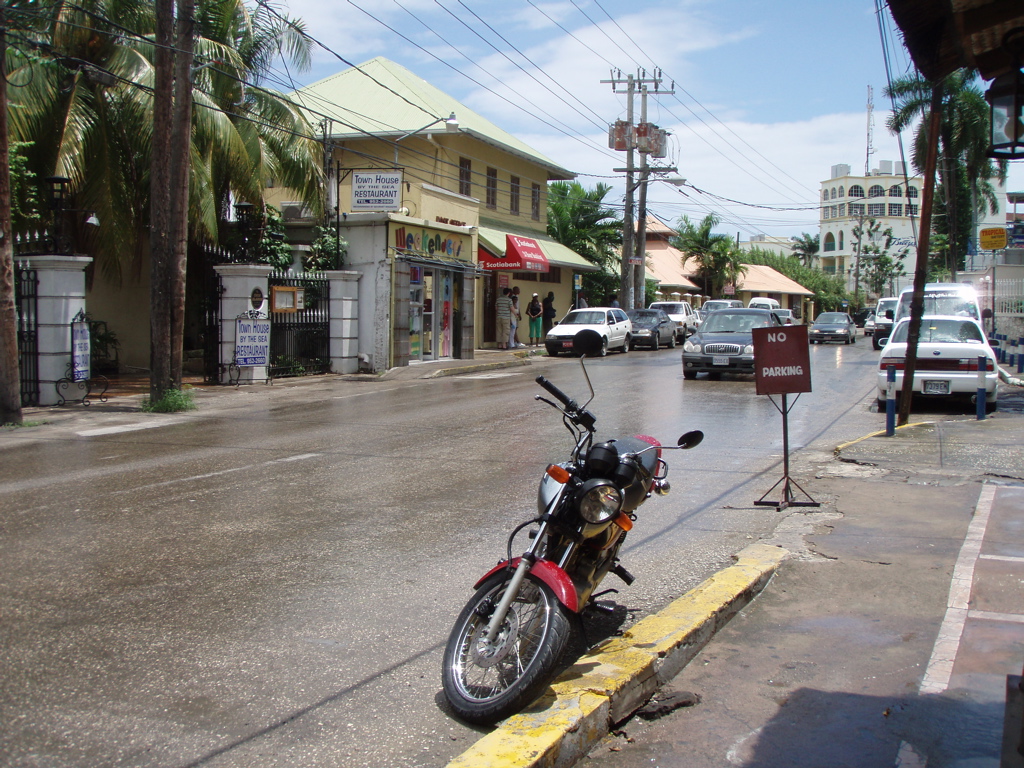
[(556, 393)]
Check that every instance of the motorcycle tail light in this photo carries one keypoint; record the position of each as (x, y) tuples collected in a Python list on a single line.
[(558, 474), (599, 501)]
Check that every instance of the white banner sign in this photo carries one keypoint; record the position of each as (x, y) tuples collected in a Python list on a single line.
[(252, 342), (376, 190)]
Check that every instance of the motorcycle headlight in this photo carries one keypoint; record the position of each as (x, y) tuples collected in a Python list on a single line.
[(598, 501)]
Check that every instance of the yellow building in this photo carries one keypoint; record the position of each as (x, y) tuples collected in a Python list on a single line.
[(428, 195)]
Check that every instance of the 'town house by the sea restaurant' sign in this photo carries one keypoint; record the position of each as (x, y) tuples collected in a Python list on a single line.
[(376, 190), (252, 341)]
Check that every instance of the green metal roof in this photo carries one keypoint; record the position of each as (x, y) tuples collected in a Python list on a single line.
[(383, 99), (558, 254)]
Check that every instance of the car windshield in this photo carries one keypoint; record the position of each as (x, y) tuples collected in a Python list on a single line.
[(671, 309), (730, 322), (643, 316), (584, 317), (942, 332), (831, 317), (886, 305)]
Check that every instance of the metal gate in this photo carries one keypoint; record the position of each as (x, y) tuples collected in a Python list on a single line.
[(26, 307), (300, 343)]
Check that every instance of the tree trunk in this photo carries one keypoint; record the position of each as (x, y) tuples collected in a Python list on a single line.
[(10, 372), (181, 132), (161, 245)]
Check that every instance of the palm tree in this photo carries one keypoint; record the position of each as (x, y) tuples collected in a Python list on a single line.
[(963, 145), (88, 115), (718, 261), (806, 248), (578, 220)]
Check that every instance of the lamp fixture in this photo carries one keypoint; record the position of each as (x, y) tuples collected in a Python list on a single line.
[(93, 220), (1006, 97), (451, 125)]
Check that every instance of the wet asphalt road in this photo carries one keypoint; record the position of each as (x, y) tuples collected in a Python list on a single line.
[(271, 581)]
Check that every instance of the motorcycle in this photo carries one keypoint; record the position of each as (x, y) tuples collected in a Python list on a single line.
[(507, 642)]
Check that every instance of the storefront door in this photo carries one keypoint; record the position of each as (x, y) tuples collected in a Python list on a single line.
[(432, 304)]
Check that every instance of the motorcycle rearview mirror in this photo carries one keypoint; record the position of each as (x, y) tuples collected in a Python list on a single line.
[(691, 439), (587, 343)]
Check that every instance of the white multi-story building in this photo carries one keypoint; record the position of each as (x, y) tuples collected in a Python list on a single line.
[(849, 201)]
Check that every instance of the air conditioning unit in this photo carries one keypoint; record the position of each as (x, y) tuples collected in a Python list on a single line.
[(294, 211)]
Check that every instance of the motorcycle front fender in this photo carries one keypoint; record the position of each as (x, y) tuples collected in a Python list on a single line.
[(550, 574)]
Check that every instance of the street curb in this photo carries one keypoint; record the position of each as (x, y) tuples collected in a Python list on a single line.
[(477, 368), (610, 683)]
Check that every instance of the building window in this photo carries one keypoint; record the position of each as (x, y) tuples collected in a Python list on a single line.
[(842, 209), (895, 191), (876, 191), (513, 195), (856, 209), (912, 192), (528, 276), (895, 209), (554, 276), (465, 176), (835, 211), (830, 242), (824, 211), (833, 193), (842, 192), (911, 209), (492, 188), (824, 194), (876, 209), (535, 202), (840, 240), (856, 191)]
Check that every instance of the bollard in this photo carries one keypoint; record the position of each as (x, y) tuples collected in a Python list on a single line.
[(1014, 351), (1020, 355), (980, 397), (890, 400)]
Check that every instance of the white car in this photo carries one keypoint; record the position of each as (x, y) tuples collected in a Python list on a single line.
[(611, 322), (684, 316), (947, 359)]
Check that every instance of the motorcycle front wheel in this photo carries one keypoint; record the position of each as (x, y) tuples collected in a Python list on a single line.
[(487, 682)]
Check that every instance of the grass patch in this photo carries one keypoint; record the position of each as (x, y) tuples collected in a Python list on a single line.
[(11, 425), (173, 401)]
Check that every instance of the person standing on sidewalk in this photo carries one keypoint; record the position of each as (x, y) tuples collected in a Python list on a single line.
[(548, 314), (534, 310), (503, 315), (513, 342)]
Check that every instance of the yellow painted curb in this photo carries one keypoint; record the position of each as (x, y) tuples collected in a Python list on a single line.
[(880, 433), (611, 682)]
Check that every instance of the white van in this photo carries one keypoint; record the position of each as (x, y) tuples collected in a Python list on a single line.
[(954, 299), (760, 302)]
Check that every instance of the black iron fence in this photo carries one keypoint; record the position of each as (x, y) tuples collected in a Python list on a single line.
[(300, 324), (26, 302)]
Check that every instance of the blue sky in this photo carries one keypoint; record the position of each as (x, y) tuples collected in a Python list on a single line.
[(769, 95)]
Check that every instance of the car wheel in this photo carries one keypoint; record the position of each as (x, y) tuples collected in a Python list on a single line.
[(655, 343), (875, 344), (604, 347), (552, 353), (689, 375), (853, 339), (627, 344), (672, 341)]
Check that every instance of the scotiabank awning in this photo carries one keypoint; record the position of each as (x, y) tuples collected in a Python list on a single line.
[(522, 254)]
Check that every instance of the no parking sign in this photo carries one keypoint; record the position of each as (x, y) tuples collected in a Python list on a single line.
[(782, 362)]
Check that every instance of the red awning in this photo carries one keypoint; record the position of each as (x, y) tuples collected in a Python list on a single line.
[(522, 254)]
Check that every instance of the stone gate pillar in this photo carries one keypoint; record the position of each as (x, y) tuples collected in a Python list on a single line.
[(344, 314), (245, 289)]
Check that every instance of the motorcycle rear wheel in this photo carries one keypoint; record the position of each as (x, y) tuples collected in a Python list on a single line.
[(485, 684)]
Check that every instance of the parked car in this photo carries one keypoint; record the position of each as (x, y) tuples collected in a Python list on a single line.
[(611, 322), (869, 325), (652, 328), (785, 315), (724, 342), (884, 310), (860, 316), (684, 316), (762, 302), (947, 359), (712, 304), (833, 326)]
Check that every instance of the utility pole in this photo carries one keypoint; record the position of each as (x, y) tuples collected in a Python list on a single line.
[(648, 139)]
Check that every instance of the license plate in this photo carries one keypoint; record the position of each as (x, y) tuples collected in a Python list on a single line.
[(719, 360), (935, 387), (567, 344)]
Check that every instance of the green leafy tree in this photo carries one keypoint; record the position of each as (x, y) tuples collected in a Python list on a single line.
[(965, 171), (806, 248), (716, 258), (878, 269), (829, 291), (327, 251), (578, 219)]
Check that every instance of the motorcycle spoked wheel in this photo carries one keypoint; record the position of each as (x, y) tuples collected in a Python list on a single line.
[(485, 685)]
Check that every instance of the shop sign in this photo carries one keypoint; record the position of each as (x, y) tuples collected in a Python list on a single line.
[(252, 341), (429, 242), (522, 254), (376, 191), (81, 351), (993, 239)]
